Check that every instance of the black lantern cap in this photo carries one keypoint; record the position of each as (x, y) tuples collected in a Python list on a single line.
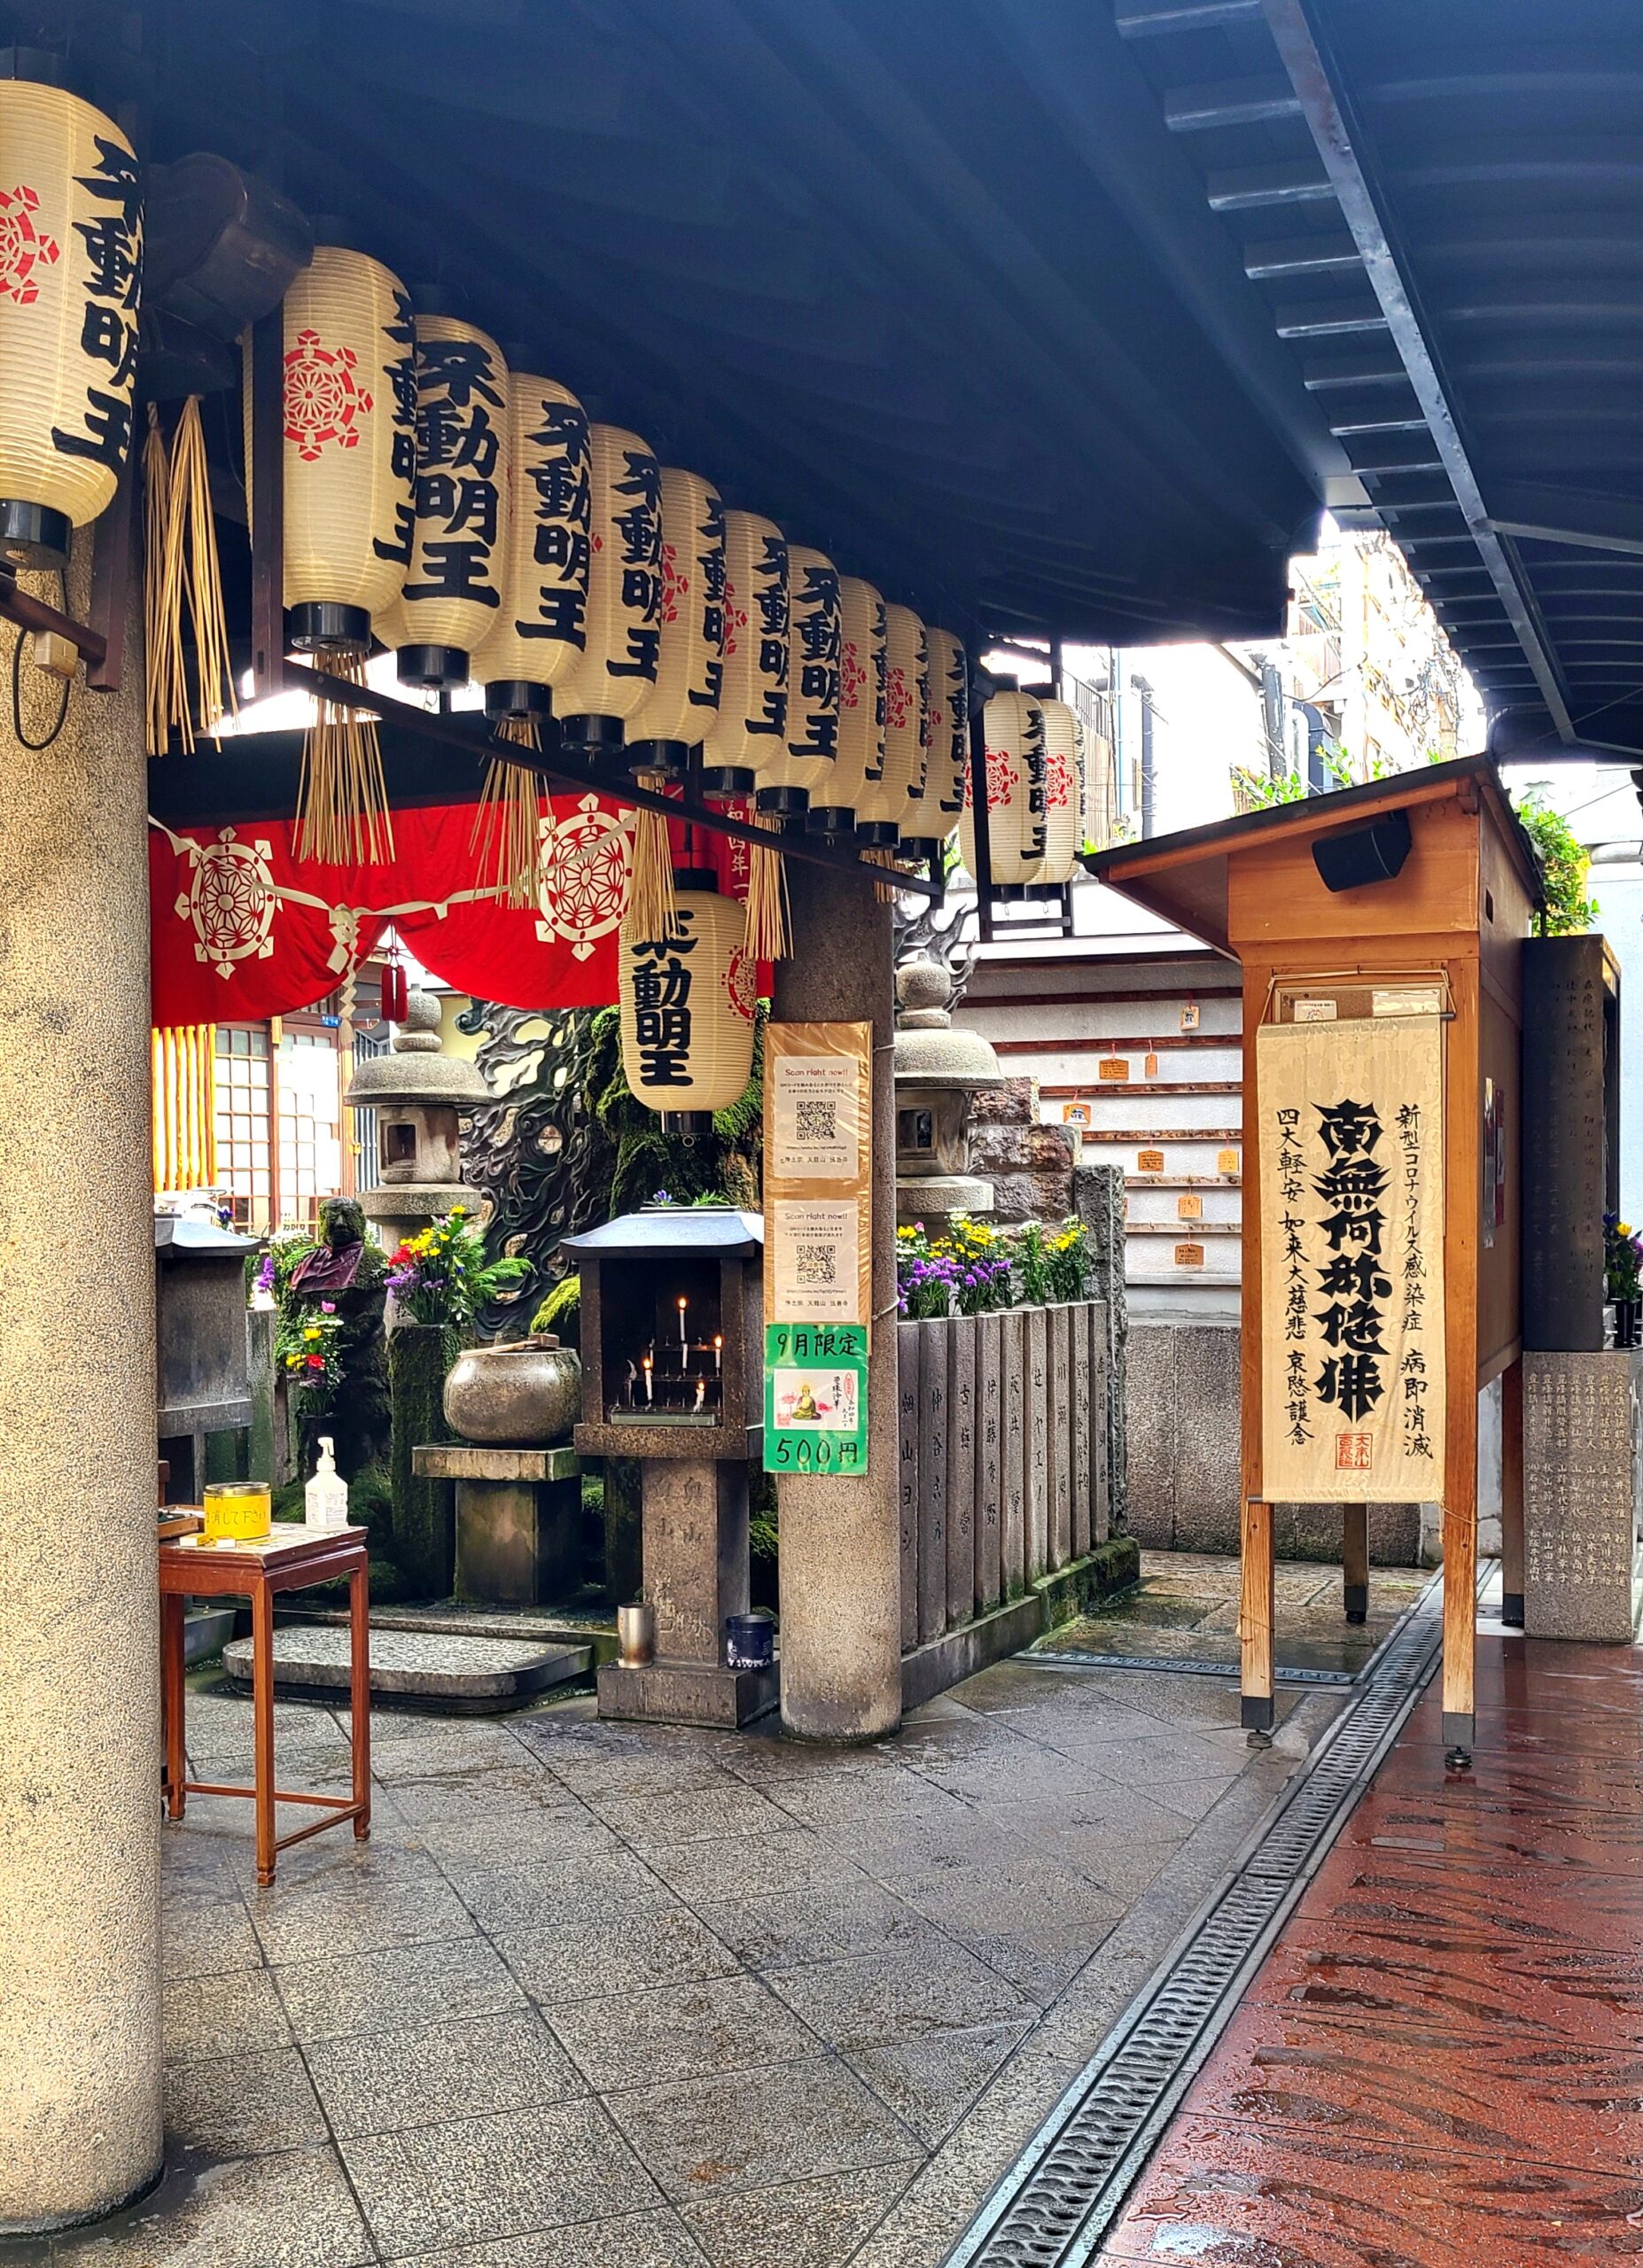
[(33, 535), (836, 819), (658, 755), (589, 736), (318, 622), (516, 696), (787, 802), (433, 668), (721, 781), (881, 833)]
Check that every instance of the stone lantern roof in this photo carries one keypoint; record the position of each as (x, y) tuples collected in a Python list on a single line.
[(417, 1071), (929, 1051)]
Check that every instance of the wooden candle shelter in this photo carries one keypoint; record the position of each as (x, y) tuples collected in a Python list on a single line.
[(1390, 920)]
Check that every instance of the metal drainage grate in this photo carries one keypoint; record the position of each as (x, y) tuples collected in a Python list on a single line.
[(1058, 2200), (1069, 1658)]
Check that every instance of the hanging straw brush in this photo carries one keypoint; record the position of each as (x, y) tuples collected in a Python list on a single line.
[(768, 928), (652, 909), (506, 833), (342, 794)]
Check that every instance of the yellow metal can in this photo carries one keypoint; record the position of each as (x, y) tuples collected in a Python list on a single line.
[(237, 1509)]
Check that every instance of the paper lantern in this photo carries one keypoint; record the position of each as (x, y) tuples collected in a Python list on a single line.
[(617, 673), (536, 641), (804, 766), (860, 761), (71, 267), (1064, 794), (349, 449), (1013, 724), (688, 1000), (680, 709), (949, 733), (883, 808), (454, 589), (750, 730)]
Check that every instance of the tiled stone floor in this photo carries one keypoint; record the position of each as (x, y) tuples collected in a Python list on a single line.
[(1186, 1604), (601, 1993)]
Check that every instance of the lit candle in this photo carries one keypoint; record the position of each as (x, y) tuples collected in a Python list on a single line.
[(647, 1377), (683, 1341), (701, 1392), (718, 1353)]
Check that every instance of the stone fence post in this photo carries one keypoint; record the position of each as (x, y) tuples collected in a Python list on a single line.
[(1098, 1201)]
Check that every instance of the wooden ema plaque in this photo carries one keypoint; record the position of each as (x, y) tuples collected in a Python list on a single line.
[(1112, 1067), (1149, 1161), (1189, 1207), (1190, 1255)]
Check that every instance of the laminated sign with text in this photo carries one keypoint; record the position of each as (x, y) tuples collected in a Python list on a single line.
[(1352, 1162)]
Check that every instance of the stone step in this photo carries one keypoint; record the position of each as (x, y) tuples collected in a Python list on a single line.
[(451, 1676), (544, 1626)]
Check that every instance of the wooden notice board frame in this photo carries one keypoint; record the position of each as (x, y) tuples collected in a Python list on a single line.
[(1444, 886)]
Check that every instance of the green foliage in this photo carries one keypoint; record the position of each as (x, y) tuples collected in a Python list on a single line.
[(561, 1312), (1260, 792), (719, 1166), (1564, 865)]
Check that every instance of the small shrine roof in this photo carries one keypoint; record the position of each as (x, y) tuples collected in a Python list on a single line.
[(664, 1232)]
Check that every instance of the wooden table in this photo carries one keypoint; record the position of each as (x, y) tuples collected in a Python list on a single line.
[(291, 1558)]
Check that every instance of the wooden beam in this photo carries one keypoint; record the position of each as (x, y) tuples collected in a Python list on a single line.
[(1355, 1562), (1460, 1206), (1255, 1526)]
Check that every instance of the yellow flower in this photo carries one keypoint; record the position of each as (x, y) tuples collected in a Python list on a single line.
[(312, 1331)]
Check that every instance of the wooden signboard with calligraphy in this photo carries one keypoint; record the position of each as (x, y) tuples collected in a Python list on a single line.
[(1351, 1132), (1381, 932)]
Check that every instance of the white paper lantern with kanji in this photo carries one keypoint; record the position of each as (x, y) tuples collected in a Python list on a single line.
[(537, 640), (749, 731), (804, 769), (885, 807), (860, 764), (347, 449), (688, 1000), (680, 709), (455, 586), (949, 732), (71, 269), (1014, 725), (617, 673), (1064, 794)]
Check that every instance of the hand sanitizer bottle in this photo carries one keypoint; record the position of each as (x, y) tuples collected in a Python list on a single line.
[(325, 1499)]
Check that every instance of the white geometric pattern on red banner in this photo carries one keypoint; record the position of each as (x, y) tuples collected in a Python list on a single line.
[(231, 901), (584, 866)]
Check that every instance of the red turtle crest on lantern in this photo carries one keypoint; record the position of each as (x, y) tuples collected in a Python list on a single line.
[(674, 586), (742, 984), (323, 399), (22, 247)]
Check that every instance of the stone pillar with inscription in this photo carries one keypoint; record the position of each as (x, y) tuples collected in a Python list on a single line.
[(1582, 1510)]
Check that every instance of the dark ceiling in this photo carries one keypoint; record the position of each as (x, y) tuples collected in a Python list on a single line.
[(1440, 204), (880, 267), (1050, 316)]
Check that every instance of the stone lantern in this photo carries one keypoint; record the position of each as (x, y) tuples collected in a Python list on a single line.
[(415, 1092), (937, 1071)]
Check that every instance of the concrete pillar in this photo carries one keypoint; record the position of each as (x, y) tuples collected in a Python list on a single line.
[(841, 1540), (80, 2064)]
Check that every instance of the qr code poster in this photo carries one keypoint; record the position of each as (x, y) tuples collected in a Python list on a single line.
[(816, 1398), (814, 1261), (818, 1173), (816, 1107)]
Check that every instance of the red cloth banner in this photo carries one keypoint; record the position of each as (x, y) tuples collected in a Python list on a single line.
[(241, 931)]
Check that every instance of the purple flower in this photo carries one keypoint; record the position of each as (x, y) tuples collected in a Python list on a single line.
[(328, 1306), (265, 1273)]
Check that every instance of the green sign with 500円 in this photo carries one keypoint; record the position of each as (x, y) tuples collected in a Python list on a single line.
[(815, 1397)]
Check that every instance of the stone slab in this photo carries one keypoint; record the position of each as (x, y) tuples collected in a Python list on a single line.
[(1582, 1508), (465, 1461), (934, 1338), (989, 1460), (907, 1376), (961, 1471), (688, 1693), (518, 1542), (463, 1676)]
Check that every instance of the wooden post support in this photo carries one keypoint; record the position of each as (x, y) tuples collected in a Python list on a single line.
[(1462, 1173), (1355, 1562), (1511, 1495), (1255, 1616)]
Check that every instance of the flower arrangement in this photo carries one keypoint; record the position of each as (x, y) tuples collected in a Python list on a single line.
[(308, 1348), (1623, 1260), (442, 1276), (975, 1269)]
